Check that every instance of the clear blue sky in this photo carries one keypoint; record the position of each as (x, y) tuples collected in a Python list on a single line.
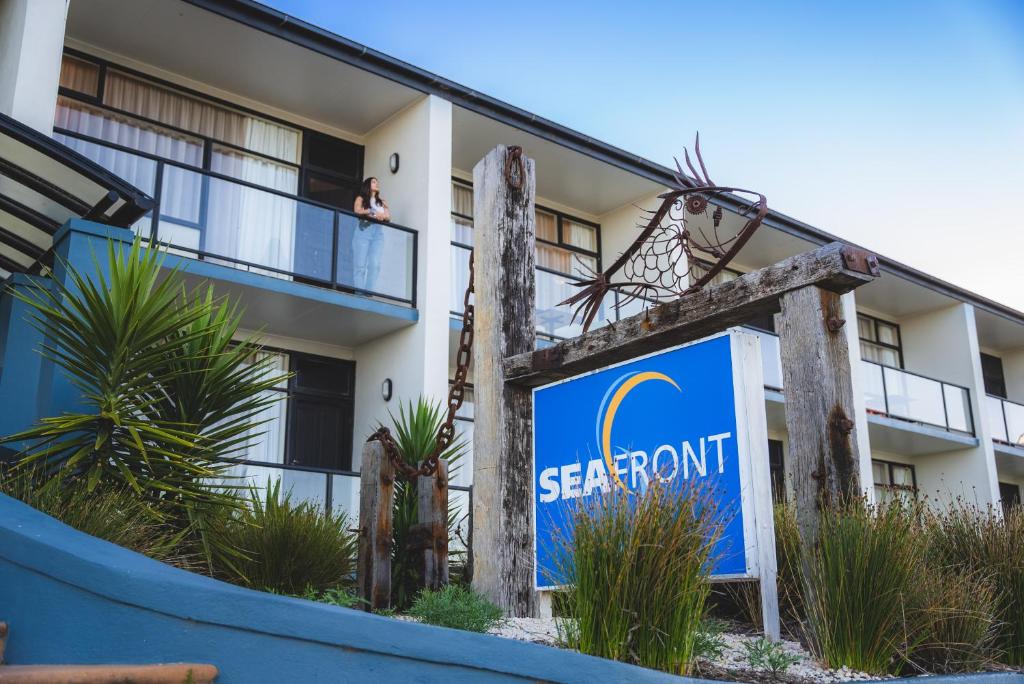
[(898, 125)]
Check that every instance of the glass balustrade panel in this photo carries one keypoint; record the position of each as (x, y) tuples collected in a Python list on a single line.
[(914, 398)]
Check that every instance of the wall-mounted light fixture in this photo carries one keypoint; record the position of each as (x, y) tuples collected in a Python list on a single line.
[(385, 389), (393, 162)]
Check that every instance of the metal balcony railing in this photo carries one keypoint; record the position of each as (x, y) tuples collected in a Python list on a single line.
[(1006, 420), (236, 222), (334, 490), (908, 396)]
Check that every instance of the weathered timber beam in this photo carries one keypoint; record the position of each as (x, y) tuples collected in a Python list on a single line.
[(836, 267)]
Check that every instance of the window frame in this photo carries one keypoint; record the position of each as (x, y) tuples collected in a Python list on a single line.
[(875, 320), (891, 486), (301, 167), (289, 391), (560, 218)]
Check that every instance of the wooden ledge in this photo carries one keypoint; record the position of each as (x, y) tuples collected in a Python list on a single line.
[(836, 267)]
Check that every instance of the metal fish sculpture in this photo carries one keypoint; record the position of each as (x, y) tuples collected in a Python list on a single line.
[(668, 260)]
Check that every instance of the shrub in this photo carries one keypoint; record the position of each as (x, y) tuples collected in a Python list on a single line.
[(985, 545), (788, 559), (637, 574), (953, 615), (861, 572), (116, 515), (285, 547), (709, 643), (456, 607), (767, 655), (336, 596)]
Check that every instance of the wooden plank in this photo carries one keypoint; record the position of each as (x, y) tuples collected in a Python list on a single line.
[(376, 504), (823, 459), (835, 267), (432, 495), (502, 432)]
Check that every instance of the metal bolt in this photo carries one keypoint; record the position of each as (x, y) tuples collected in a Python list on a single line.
[(835, 324)]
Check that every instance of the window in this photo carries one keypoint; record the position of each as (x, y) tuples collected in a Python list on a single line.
[(777, 468), (879, 341), (312, 423), (1009, 495), (894, 481), (106, 103), (568, 249), (332, 170), (992, 371)]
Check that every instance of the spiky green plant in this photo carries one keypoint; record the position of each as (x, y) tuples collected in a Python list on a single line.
[(162, 395), (415, 431), (289, 548), (636, 575), (113, 514)]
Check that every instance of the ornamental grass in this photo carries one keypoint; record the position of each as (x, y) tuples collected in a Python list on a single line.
[(636, 573)]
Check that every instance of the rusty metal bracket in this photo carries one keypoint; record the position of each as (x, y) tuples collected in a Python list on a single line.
[(860, 260)]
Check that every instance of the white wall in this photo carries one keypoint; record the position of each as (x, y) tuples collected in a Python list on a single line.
[(419, 195), (943, 344), (619, 226), (31, 41)]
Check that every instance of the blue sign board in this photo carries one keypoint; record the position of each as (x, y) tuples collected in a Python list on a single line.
[(674, 417)]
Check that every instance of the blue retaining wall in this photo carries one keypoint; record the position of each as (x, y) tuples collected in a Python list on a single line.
[(72, 598)]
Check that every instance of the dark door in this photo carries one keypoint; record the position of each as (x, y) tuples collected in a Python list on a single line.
[(777, 468), (320, 412), (1010, 495)]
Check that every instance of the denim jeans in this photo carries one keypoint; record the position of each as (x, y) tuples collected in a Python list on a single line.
[(367, 242)]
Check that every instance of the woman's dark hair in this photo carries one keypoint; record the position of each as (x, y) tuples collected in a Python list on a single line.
[(364, 192)]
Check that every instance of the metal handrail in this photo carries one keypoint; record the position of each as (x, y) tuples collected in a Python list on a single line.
[(162, 162), (942, 385), (328, 473), (1003, 401)]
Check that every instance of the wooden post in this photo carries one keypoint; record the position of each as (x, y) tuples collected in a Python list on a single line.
[(503, 230), (376, 503), (432, 495), (823, 458)]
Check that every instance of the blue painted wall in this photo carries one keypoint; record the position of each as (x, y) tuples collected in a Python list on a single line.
[(72, 598)]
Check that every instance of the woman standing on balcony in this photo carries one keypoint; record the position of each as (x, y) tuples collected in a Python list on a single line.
[(369, 236)]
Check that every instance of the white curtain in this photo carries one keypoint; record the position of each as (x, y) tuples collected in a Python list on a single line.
[(266, 441), (248, 224)]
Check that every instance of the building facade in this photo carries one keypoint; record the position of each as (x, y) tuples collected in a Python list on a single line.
[(252, 130)]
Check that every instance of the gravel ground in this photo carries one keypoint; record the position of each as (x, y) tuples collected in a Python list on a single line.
[(732, 666)]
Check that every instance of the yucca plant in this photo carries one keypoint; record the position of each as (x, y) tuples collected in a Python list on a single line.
[(162, 396), (635, 572), (415, 431)]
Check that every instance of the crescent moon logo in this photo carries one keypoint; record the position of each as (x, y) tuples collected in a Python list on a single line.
[(610, 406)]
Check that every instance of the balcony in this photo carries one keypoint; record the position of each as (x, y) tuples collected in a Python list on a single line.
[(298, 265), (908, 413), (1006, 423)]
